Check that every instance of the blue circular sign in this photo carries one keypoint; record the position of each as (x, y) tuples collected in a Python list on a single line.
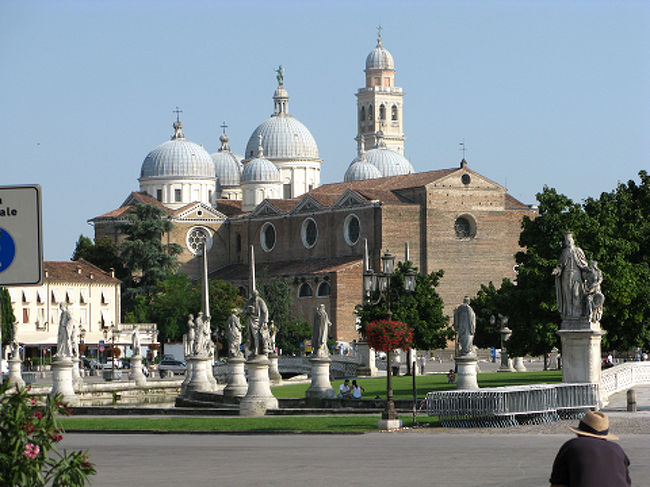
[(7, 249)]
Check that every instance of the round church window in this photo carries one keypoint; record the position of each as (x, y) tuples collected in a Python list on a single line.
[(465, 227), (268, 237), (309, 233), (352, 229), (466, 178), (195, 239)]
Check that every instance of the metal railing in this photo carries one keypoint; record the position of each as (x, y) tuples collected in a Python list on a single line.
[(622, 377), (511, 406)]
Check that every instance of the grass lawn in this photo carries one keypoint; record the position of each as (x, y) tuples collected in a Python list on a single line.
[(309, 424), (403, 386)]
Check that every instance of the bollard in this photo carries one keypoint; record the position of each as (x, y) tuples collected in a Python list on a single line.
[(631, 400)]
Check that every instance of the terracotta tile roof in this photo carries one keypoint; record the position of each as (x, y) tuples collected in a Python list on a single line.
[(285, 205), (514, 204), (121, 212), (239, 272), (76, 271), (229, 207)]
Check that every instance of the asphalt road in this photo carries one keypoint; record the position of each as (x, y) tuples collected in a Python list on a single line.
[(413, 458)]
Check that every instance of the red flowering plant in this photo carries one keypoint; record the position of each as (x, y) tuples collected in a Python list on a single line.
[(29, 433), (387, 335)]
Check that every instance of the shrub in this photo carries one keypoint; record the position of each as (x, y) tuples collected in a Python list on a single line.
[(387, 335)]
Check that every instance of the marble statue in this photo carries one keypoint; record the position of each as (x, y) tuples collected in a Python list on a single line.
[(234, 331), (135, 342), (594, 297), (74, 339), (64, 338), (14, 348), (273, 330), (319, 332), (189, 341), (465, 326), (257, 315), (569, 281)]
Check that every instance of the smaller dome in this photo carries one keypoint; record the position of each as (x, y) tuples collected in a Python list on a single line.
[(227, 165), (260, 170), (389, 162), (379, 57), (361, 170)]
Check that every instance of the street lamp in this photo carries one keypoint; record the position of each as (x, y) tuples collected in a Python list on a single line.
[(381, 282)]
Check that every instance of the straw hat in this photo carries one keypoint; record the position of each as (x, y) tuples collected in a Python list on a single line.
[(596, 425)]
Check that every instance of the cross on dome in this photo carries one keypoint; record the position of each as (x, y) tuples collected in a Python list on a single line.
[(178, 125)]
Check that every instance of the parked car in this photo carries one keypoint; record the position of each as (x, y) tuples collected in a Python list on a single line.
[(91, 363), (169, 368), (113, 363)]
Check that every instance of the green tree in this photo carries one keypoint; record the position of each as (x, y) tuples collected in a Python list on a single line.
[(291, 331), (103, 253), (224, 297), (488, 304), (7, 316), (422, 309), (170, 304), (146, 258)]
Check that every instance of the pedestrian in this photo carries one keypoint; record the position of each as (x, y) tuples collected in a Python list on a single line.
[(344, 390), (356, 390), (451, 377), (423, 362), (591, 459)]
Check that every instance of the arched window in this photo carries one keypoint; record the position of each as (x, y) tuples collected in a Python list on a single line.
[(393, 112), (370, 112), (196, 237), (309, 233), (323, 289), (268, 236), (351, 229), (382, 112), (362, 115), (305, 291), (465, 227)]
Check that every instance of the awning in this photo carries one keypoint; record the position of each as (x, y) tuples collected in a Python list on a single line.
[(42, 296), (106, 317), (15, 295), (57, 296), (70, 296), (84, 296), (28, 296), (106, 297)]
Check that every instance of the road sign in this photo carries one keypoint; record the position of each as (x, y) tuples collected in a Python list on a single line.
[(21, 244), (101, 348)]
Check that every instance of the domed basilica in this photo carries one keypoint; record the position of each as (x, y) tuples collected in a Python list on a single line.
[(314, 235)]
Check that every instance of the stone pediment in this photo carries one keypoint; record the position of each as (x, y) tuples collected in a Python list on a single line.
[(199, 211), (350, 199), (266, 208), (307, 205), (466, 178)]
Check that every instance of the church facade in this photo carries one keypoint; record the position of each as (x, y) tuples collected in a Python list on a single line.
[(313, 235)]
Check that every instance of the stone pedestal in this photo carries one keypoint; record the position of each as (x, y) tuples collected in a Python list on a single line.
[(136, 371), (389, 424), (519, 364), (237, 385), (367, 365), (77, 381), (258, 398), (320, 387), (15, 372), (466, 376), (274, 371), (62, 381), (201, 378), (581, 355)]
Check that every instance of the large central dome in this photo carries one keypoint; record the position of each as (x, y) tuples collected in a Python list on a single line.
[(283, 136)]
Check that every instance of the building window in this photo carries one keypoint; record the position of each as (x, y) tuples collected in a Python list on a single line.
[(465, 227), (370, 113), (352, 229), (238, 242), (362, 115), (268, 237), (466, 178), (83, 316), (393, 112), (323, 290), (159, 194), (382, 112), (177, 195), (25, 315), (309, 233), (305, 291), (286, 190), (195, 239)]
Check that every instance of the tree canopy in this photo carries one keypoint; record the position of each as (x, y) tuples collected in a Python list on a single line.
[(613, 230), (7, 316), (421, 309), (103, 253)]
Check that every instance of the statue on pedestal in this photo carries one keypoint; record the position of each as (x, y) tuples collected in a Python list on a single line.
[(320, 331), (135, 342), (234, 331), (465, 326), (273, 330), (258, 330), (594, 297), (64, 337), (189, 336), (569, 283)]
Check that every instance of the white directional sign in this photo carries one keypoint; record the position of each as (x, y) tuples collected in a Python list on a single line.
[(21, 247)]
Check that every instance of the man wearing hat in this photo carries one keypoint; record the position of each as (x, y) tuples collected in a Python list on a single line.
[(591, 460)]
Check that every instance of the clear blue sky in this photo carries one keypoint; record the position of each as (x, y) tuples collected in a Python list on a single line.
[(543, 92)]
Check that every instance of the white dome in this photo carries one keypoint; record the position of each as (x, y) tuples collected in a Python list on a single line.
[(389, 162), (360, 170), (227, 165), (283, 137), (260, 170), (177, 158), (379, 57)]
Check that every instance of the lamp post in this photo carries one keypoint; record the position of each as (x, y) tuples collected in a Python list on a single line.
[(381, 282)]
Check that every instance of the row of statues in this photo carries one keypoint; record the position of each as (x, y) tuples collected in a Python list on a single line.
[(198, 339)]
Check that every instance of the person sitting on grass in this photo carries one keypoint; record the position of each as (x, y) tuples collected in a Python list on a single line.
[(451, 377), (356, 390), (344, 390)]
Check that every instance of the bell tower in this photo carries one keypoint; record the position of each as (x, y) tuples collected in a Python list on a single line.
[(380, 103)]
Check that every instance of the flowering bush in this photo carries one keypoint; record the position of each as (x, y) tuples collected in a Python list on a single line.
[(386, 335), (29, 434)]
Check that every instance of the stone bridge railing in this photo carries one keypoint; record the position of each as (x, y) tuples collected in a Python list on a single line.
[(623, 377)]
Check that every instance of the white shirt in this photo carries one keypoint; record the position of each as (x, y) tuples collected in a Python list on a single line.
[(343, 389), (356, 392)]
